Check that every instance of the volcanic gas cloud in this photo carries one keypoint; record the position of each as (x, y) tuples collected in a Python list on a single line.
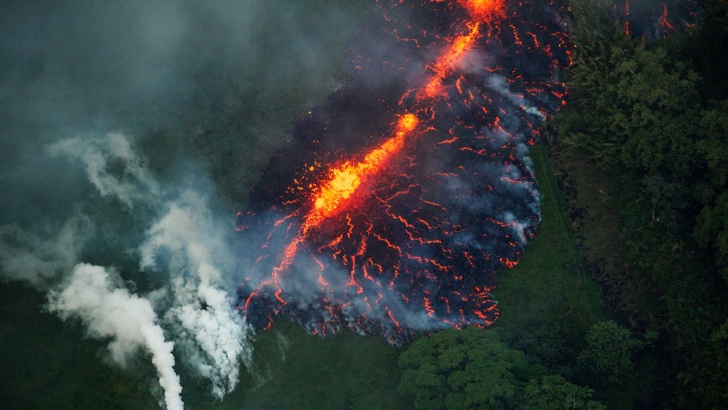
[(397, 201)]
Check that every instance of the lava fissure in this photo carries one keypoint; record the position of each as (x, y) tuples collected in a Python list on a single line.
[(405, 231)]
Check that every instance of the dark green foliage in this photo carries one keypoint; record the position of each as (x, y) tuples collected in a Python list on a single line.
[(548, 302), (707, 46), (556, 393), (294, 370), (49, 364), (711, 230), (474, 369), (654, 114), (608, 356), (468, 369)]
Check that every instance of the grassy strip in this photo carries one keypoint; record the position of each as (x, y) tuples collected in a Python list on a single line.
[(548, 295), (295, 370)]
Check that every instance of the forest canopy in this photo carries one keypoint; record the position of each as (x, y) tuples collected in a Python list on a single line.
[(651, 115)]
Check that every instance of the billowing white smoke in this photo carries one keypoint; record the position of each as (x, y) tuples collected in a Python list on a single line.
[(109, 310), (185, 242), (214, 333)]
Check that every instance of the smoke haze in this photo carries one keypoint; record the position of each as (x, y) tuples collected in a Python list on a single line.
[(131, 133)]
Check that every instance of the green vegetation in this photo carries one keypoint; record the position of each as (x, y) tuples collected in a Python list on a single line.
[(49, 364), (468, 369), (547, 304), (548, 300), (474, 369), (292, 369), (607, 357), (640, 154), (652, 114), (553, 392), (633, 194)]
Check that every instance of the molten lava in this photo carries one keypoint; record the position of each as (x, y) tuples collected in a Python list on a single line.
[(406, 231), (483, 10), (345, 180), (449, 61), (651, 20)]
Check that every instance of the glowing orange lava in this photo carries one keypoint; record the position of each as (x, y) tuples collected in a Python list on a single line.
[(449, 61), (396, 239), (482, 10), (343, 183), (345, 180)]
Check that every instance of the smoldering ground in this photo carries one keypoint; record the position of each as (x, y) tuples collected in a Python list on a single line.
[(130, 134)]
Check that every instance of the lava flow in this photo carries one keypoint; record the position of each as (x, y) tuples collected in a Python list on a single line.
[(429, 192), (346, 179)]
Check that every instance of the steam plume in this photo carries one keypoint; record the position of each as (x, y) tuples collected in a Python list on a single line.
[(93, 295), (187, 243), (161, 72), (215, 333)]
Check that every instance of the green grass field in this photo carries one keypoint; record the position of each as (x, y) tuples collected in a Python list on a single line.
[(548, 296), (295, 370)]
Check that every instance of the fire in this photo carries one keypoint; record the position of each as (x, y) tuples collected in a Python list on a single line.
[(407, 123), (482, 10), (449, 61), (345, 180), (664, 22), (656, 19)]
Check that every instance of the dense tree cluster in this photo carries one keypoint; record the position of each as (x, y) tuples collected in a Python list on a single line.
[(474, 369), (654, 114)]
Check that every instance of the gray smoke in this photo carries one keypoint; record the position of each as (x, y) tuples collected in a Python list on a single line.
[(136, 185), (41, 260), (188, 245)]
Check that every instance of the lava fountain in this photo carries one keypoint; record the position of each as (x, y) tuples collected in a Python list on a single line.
[(397, 201)]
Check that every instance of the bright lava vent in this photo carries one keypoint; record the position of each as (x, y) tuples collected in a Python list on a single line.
[(397, 200)]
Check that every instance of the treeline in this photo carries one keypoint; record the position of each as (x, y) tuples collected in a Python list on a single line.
[(654, 115), (478, 369)]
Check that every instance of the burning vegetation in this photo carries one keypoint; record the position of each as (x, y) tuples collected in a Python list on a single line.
[(398, 200)]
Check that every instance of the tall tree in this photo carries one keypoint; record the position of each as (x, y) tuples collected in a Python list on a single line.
[(553, 392), (468, 369), (608, 356)]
